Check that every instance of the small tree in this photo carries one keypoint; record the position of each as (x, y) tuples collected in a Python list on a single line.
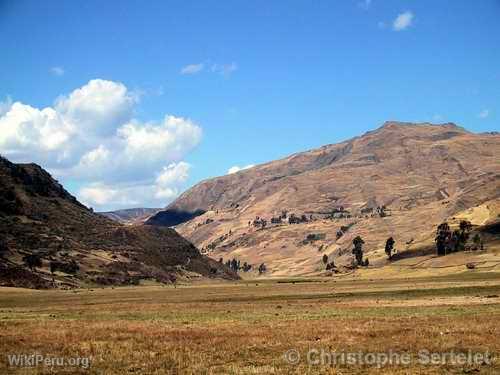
[(325, 259), (358, 249), (477, 241), (465, 226), (53, 267), (262, 269), (32, 261), (443, 238), (246, 267), (234, 265), (463, 235), (389, 245)]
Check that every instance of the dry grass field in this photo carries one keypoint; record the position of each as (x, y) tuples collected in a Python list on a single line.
[(246, 327)]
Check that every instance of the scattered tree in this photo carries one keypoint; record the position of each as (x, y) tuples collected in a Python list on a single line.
[(463, 235), (358, 249), (465, 226), (32, 261), (325, 259), (477, 241), (330, 266), (53, 267), (276, 220), (67, 267), (389, 245), (262, 269), (443, 238), (234, 265), (260, 222), (246, 267)]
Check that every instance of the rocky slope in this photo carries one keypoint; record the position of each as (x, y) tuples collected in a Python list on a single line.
[(39, 219), (420, 174)]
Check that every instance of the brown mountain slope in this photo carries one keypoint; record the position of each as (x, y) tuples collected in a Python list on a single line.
[(37, 216), (422, 173)]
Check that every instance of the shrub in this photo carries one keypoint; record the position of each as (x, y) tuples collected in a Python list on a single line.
[(325, 259), (66, 267), (32, 261), (262, 269)]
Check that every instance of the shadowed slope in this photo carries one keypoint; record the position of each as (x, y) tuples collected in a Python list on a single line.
[(37, 216)]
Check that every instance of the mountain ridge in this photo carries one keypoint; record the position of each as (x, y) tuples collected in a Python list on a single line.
[(409, 168)]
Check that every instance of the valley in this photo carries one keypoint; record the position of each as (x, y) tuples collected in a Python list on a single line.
[(247, 327)]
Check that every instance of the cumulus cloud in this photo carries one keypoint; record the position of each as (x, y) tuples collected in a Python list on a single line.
[(5, 105), (91, 137), (192, 68), (403, 21), (169, 179), (57, 70), (164, 188), (484, 113), (99, 106), (236, 168)]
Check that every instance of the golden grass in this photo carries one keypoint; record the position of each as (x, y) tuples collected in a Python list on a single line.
[(245, 327)]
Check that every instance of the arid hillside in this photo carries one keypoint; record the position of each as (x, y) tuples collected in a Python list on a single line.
[(400, 180), (48, 239)]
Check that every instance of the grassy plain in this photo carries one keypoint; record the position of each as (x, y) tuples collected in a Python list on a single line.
[(246, 327)]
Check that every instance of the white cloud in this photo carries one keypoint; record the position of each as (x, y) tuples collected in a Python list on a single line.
[(167, 182), (192, 68), (57, 71), (28, 133), (90, 137), (484, 113), (403, 21), (101, 194), (224, 69), (99, 106), (164, 188), (5, 105), (236, 168)]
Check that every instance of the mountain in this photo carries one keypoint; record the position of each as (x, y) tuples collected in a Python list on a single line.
[(400, 180), (41, 221), (131, 215)]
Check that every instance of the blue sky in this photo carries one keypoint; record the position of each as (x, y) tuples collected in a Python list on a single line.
[(259, 79)]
